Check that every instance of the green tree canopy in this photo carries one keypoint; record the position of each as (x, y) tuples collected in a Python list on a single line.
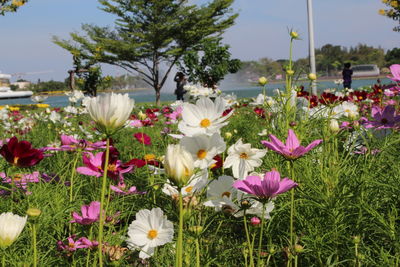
[(208, 62), (149, 34)]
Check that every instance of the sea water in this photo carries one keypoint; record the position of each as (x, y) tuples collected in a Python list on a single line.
[(240, 91)]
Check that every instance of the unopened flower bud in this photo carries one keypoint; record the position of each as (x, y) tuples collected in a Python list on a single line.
[(228, 135), (312, 76), (294, 35), (334, 126), (33, 212), (262, 81), (290, 72), (298, 248), (179, 165), (255, 221), (356, 239)]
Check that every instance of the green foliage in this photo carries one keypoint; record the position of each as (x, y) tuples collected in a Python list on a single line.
[(49, 86), (208, 62), (392, 11), (10, 5), (148, 33), (392, 56)]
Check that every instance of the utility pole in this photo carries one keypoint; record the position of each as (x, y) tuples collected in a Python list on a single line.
[(311, 44)]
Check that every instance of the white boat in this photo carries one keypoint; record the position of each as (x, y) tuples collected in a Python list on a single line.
[(6, 92)]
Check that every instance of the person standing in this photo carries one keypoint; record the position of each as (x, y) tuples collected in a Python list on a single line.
[(180, 83), (347, 73)]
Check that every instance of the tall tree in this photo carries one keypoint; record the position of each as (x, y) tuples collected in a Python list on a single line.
[(149, 34), (392, 11), (208, 62)]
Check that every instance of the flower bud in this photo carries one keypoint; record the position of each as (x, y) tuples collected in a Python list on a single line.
[(262, 81), (179, 165), (298, 248), (255, 221), (356, 239), (334, 126), (312, 76), (33, 212), (228, 135), (290, 72), (294, 35)]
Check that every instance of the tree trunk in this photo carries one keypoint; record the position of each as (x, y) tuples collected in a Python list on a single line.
[(158, 95)]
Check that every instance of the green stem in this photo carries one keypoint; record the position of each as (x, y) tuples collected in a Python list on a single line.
[(102, 215), (179, 249), (34, 244), (88, 253), (261, 235), (248, 240), (197, 253), (292, 212), (71, 198), (3, 260)]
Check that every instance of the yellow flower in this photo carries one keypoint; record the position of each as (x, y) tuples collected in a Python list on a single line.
[(262, 81), (13, 108), (385, 1), (17, 3), (394, 3), (42, 105), (382, 12)]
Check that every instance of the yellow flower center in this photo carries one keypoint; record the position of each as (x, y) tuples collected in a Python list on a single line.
[(17, 177), (244, 156), (152, 234), (205, 123), (226, 194), (16, 160), (189, 189), (71, 245), (112, 167), (347, 111), (201, 154), (149, 157)]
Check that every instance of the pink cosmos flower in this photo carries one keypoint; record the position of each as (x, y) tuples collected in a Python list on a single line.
[(72, 244), (383, 118), (136, 123), (20, 181), (395, 70), (120, 190), (143, 138), (90, 214), (292, 149), (94, 165), (265, 188), (69, 143)]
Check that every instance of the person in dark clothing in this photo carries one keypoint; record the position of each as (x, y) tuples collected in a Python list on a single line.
[(347, 73), (180, 83)]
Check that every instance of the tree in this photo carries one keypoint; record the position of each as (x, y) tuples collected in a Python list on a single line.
[(208, 62), (10, 5), (149, 34), (392, 11), (392, 57)]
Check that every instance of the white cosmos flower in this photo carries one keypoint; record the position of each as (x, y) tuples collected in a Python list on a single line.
[(205, 117), (11, 226), (54, 116), (242, 158), (74, 96), (203, 148), (221, 193), (347, 109), (196, 183), (150, 229), (110, 111)]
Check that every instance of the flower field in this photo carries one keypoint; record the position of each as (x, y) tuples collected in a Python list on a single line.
[(290, 180)]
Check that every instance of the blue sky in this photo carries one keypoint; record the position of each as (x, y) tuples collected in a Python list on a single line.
[(260, 31)]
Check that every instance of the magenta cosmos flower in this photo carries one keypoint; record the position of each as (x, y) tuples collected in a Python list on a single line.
[(90, 214), (395, 70), (21, 153), (292, 149), (265, 188), (143, 138), (383, 118)]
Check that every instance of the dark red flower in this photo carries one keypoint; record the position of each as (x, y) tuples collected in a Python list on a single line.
[(260, 112), (143, 138), (138, 163), (21, 153), (218, 164)]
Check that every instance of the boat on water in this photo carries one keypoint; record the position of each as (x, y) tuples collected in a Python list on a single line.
[(7, 93)]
